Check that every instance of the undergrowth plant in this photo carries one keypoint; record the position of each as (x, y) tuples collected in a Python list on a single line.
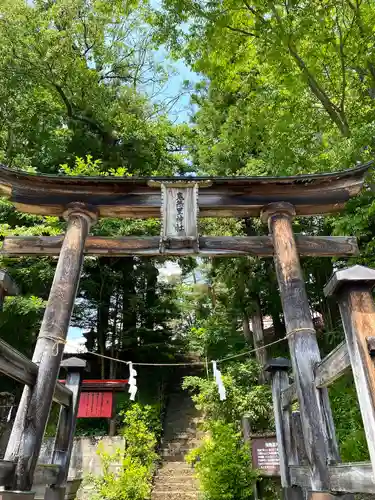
[(223, 464), (127, 474)]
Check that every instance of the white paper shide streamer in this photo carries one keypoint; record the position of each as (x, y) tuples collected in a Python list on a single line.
[(219, 382), (132, 382)]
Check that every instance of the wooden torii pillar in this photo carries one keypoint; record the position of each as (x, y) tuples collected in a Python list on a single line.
[(316, 416), (32, 415), (179, 202)]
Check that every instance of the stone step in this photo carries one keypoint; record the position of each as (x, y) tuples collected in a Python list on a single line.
[(181, 443), (184, 486), (175, 471), (178, 457), (184, 436), (174, 495), (166, 453), (177, 478), (175, 465), (181, 426)]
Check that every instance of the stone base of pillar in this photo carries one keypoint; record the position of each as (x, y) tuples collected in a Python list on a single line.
[(17, 495)]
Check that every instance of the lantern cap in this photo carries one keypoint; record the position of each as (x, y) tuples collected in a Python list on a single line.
[(277, 364), (74, 363), (355, 274)]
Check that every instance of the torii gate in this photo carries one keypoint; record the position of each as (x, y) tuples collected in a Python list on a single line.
[(179, 201)]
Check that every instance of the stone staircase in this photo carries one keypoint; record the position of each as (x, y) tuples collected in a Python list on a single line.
[(175, 478)]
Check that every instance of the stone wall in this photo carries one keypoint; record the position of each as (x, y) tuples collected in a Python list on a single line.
[(85, 459)]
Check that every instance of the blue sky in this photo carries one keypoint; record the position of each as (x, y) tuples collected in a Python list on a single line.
[(182, 108)]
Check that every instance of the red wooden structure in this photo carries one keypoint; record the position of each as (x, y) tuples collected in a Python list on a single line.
[(96, 400)]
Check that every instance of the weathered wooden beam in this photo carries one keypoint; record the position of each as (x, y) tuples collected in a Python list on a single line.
[(278, 368), (15, 365), (7, 287), (66, 428), (352, 477), (349, 477), (17, 495), (289, 395), (44, 473), (304, 350), (300, 476), (246, 434), (33, 411), (353, 288), (230, 246), (130, 197), (6, 469), (298, 451), (333, 366)]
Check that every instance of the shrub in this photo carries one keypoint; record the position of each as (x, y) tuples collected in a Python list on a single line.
[(132, 479), (223, 464)]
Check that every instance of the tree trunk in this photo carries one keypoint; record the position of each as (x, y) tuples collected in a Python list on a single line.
[(103, 318), (258, 335), (246, 329)]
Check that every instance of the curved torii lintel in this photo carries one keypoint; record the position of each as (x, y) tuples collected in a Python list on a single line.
[(140, 197)]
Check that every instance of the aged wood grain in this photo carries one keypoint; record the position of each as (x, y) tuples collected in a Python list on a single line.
[(278, 369), (44, 474), (278, 382), (358, 315), (302, 341), (6, 469), (15, 365), (298, 452), (48, 351), (140, 198), (350, 477), (289, 395), (65, 433), (333, 366), (246, 433), (230, 246)]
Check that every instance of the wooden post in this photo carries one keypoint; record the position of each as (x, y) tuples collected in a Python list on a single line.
[(353, 288), (246, 432), (303, 345), (66, 427), (278, 368), (298, 455), (7, 287), (33, 411)]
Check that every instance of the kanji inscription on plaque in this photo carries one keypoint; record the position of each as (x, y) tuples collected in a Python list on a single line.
[(265, 455)]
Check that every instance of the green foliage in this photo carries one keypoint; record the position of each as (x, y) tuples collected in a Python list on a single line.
[(133, 479), (142, 427), (18, 321), (348, 420), (223, 464), (244, 396)]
